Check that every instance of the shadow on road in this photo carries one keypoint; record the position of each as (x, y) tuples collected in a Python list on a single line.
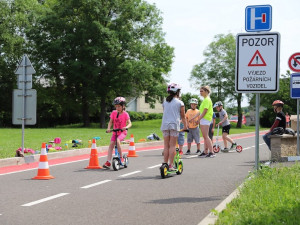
[(185, 200)]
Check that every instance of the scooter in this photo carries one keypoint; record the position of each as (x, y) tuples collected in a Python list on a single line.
[(116, 160), (217, 146), (178, 165)]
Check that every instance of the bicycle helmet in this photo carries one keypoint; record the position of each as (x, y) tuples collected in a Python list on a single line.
[(119, 101), (290, 131), (194, 101), (219, 103), (173, 88), (277, 131), (277, 103)]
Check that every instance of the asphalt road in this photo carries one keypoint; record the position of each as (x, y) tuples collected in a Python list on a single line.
[(135, 195)]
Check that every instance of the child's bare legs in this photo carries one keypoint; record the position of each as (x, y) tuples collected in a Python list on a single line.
[(226, 138), (119, 147), (198, 146), (180, 147), (207, 141), (189, 145), (109, 151), (169, 149)]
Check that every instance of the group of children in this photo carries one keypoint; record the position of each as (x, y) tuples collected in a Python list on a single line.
[(175, 119), (194, 133)]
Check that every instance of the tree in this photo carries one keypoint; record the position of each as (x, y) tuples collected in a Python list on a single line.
[(15, 17), (186, 99), (218, 71), (290, 105), (94, 50)]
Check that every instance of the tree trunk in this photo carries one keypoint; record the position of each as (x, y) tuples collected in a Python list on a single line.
[(239, 109), (103, 112), (85, 111)]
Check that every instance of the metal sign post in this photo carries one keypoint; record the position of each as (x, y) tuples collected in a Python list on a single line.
[(24, 98), (257, 103), (295, 94)]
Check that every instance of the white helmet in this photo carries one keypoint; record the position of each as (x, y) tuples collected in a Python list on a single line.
[(219, 103), (119, 101), (194, 101), (173, 88)]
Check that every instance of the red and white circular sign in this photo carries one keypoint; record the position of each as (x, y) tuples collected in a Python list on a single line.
[(294, 62)]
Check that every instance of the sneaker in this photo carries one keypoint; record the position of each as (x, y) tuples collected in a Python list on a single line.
[(171, 168), (225, 150), (180, 152), (210, 155), (198, 151), (203, 155), (107, 165), (233, 146), (188, 152)]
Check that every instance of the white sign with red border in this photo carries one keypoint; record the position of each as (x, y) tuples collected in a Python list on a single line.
[(294, 62), (257, 62)]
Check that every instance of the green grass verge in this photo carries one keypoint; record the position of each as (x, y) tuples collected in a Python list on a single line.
[(272, 196), (11, 138)]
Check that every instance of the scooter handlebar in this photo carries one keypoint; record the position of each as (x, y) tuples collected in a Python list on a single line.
[(184, 130), (116, 130)]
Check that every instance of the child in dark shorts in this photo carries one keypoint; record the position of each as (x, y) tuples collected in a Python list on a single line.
[(225, 125)]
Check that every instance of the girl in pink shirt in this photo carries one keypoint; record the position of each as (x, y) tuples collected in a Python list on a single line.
[(120, 120)]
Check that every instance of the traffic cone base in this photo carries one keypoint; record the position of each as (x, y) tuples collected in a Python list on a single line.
[(94, 161), (43, 168), (131, 149)]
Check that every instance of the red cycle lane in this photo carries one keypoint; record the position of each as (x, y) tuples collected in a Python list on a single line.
[(34, 165)]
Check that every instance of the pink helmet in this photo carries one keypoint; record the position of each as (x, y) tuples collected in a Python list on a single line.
[(173, 88), (119, 101)]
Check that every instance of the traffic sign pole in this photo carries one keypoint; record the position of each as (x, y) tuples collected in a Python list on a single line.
[(21, 98), (298, 148), (257, 103), (24, 101), (295, 94)]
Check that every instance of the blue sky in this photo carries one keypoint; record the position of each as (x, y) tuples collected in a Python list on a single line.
[(191, 25)]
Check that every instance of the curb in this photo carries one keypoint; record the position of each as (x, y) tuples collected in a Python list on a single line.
[(211, 218), (68, 153)]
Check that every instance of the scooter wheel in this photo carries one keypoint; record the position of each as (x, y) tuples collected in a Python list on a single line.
[(216, 148), (179, 168), (125, 160), (116, 164), (239, 148), (164, 170)]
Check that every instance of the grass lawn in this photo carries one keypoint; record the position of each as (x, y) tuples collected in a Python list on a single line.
[(272, 196), (11, 138)]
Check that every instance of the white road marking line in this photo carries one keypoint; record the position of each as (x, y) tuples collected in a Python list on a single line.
[(152, 167), (95, 184), (128, 174), (191, 156), (45, 199)]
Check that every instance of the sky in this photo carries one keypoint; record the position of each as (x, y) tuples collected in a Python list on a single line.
[(191, 25)]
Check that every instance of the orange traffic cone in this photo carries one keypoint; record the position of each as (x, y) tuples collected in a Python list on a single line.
[(94, 162), (43, 169), (131, 150)]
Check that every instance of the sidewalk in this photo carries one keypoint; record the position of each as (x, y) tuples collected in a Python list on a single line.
[(73, 153)]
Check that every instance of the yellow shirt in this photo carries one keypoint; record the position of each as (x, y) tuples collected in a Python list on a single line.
[(189, 115), (207, 104)]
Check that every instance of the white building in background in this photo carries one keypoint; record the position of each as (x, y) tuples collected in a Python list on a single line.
[(140, 104)]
